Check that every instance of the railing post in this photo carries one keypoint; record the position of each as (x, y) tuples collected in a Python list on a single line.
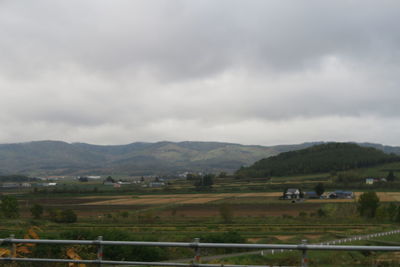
[(304, 259), (196, 259), (13, 250), (100, 250)]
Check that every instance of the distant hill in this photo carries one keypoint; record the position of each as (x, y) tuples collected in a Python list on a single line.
[(60, 158), (318, 159)]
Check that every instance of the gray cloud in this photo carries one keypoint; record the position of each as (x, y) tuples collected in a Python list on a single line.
[(259, 72)]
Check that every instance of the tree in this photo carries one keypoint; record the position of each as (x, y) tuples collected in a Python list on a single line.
[(110, 179), (368, 203), (9, 207), (83, 179), (392, 211), (36, 211), (319, 189), (205, 181), (397, 217), (68, 216), (390, 177), (208, 180), (284, 192)]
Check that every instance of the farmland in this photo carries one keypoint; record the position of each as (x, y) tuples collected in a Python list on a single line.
[(232, 210)]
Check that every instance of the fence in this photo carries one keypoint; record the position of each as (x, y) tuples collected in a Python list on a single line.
[(196, 245)]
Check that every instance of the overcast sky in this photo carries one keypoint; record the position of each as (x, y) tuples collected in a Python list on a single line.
[(250, 72)]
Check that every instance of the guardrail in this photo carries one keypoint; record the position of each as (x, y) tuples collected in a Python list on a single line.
[(196, 245)]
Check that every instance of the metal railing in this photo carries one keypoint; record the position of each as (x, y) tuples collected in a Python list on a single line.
[(196, 245)]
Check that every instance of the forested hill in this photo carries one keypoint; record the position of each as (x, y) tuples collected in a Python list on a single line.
[(318, 159)]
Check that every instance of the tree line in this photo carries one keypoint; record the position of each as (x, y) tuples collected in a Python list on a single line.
[(9, 208)]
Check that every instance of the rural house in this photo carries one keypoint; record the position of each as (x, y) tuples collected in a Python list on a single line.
[(292, 193)]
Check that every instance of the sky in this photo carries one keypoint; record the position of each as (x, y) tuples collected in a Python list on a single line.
[(258, 72)]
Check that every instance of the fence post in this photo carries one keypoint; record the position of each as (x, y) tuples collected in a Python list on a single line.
[(100, 250), (304, 259), (196, 259), (13, 250)]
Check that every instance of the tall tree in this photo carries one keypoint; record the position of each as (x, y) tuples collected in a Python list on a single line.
[(319, 189), (390, 177), (368, 203)]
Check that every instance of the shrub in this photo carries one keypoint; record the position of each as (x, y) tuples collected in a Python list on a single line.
[(9, 207), (62, 216)]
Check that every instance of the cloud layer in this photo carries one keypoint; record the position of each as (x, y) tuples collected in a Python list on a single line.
[(252, 72)]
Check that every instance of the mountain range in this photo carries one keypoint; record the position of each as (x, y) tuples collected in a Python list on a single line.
[(61, 158)]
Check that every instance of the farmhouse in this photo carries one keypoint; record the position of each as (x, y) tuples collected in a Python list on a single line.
[(292, 193)]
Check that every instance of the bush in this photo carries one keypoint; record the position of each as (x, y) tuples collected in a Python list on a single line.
[(63, 216), (9, 207), (36, 211)]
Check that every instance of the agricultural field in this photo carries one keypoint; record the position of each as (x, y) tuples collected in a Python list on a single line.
[(178, 213)]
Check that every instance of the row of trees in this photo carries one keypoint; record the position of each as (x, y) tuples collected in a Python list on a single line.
[(9, 208), (201, 182)]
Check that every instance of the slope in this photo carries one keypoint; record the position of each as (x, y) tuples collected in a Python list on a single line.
[(318, 159)]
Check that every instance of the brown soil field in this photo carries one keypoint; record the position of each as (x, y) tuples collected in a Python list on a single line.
[(205, 198), (165, 199), (135, 201), (196, 205)]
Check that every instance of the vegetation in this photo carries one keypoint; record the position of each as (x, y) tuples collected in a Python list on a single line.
[(62, 216), (391, 177), (205, 181), (368, 204), (9, 207), (15, 178), (36, 211), (318, 159), (319, 189)]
